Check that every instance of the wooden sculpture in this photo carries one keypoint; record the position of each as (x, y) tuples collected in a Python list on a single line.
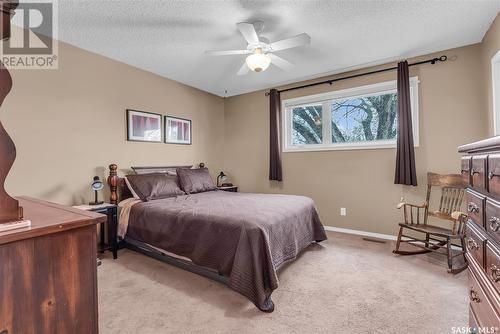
[(9, 207)]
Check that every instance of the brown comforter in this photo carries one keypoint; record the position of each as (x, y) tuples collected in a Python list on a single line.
[(245, 237)]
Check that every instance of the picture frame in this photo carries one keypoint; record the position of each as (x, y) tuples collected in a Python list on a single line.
[(144, 126), (178, 130)]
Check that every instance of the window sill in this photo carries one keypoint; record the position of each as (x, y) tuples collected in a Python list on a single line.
[(343, 147)]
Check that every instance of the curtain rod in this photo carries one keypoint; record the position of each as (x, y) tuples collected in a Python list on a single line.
[(331, 81)]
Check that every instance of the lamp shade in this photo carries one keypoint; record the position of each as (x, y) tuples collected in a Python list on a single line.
[(97, 184), (258, 61)]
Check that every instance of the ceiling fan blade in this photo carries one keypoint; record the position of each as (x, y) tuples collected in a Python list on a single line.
[(243, 70), (292, 42), (248, 31), (227, 52), (281, 63)]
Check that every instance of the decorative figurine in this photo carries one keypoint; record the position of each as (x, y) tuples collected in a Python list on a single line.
[(10, 211)]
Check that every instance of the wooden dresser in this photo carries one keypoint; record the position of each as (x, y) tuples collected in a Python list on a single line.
[(48, 275), (481, 169)]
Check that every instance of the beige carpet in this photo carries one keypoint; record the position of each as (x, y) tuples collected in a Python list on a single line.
[(344, 285)]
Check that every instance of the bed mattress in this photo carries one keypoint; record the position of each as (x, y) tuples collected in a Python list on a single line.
[(245, 237)]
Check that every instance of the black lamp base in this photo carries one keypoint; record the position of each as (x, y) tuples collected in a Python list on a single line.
[(96, 201)]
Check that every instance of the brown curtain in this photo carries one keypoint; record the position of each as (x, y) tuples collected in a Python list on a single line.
[(275, 173), (405, 158)]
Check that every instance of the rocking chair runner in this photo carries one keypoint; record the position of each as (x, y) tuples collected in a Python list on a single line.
[(436, 237)]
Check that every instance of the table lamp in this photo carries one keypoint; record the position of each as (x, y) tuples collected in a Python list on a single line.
[(96, 186), (221, 177)]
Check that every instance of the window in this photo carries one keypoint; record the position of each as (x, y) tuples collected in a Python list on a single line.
[(307, 125), (357, 118)]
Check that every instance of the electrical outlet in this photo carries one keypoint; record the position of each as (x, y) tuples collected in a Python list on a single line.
[(343, 211)]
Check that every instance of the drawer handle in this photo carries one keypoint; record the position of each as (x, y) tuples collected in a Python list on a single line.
[(472, 244), (494, 224), (495, 273), (473, 296), (472, 172), (472, 208), (492, 175)]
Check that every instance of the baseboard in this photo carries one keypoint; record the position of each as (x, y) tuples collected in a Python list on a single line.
[(358, 232), (368, 234)]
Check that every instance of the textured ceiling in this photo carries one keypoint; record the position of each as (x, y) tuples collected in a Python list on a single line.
[(169, 37)]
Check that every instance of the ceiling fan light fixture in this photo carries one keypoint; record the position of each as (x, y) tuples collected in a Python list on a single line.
[(258, 62), (261, 49)]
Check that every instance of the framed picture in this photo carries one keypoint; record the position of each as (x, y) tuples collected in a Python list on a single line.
[(178, 131), (143, 126)]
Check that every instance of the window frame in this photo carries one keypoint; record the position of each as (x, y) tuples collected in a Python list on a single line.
[(495, 86), (326, 98)]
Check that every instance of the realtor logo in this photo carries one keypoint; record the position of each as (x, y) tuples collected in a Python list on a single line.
[(33, 42)]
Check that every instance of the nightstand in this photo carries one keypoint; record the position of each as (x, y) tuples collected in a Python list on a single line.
[(110, 226), (233, 189)]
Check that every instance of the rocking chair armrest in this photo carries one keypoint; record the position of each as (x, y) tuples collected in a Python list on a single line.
[(458, 215), (402, 204)]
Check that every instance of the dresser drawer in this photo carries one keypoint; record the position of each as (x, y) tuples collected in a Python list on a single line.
[(472, 319), (492, 223), (493, 175), (465, 169), (477, 172), (475, 207), (493, 265), (484, 311), (475, 243)]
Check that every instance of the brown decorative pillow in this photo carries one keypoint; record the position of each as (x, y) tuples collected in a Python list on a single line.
[(195, 180), (155, 186)]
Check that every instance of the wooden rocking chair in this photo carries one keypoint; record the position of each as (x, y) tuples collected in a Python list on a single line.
[(437, 238)]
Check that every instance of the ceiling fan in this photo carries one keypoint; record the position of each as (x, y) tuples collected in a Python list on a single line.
[(261, 50)]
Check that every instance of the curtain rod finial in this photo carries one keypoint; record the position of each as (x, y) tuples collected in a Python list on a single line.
[(435, 60)]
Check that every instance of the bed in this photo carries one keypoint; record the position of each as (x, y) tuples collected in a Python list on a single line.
[(240, 239)]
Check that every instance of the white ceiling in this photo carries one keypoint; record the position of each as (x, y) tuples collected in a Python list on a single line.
[(169, 37)]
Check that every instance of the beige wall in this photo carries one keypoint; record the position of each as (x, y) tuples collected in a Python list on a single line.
[(69, 124), (451, 113), (489, 47)]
